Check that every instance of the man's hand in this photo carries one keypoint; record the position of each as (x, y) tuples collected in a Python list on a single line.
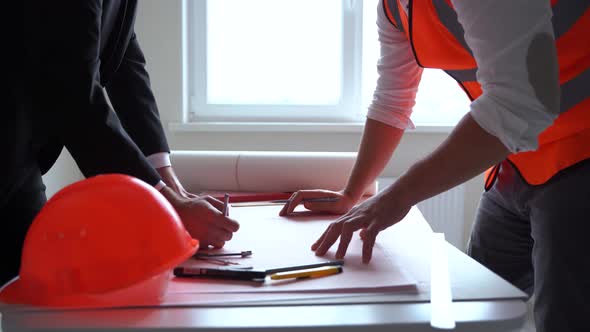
[(343, 203), (371, 217), (169, 177), (202, 218)]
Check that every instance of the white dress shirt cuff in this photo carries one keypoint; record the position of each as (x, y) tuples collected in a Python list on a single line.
[(160, 159), (160, 185)]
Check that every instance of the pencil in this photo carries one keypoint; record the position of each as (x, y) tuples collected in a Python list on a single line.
[(284, 201), (312, 273), (317, 199), (305, 267)]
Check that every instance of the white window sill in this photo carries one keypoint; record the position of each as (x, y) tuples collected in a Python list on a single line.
[(301, 127)]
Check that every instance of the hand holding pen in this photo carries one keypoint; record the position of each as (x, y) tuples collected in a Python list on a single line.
[(205, 219), (324, 201)]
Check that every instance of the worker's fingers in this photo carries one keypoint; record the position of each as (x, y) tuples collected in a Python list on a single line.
[(285, 208), (218, 244), (348, 228), (292, 203), (216, 235), (228, 224), (300, 196), (329, 239), (190, 195), (369, 236), (213, 201), (315, 245), (218, 220)]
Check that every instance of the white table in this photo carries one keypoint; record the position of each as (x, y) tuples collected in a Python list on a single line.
[(482, 301)]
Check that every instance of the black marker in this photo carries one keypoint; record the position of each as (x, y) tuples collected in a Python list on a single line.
[(233, 274)]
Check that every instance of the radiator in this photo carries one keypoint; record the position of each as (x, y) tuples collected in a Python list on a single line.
[(445, 212)]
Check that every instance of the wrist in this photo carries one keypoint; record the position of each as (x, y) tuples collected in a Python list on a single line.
[(405, 190), (354, 195), (169, 178), (171, 196)]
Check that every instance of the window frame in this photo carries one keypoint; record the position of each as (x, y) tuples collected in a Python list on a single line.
[(347, 110), (337, 119)]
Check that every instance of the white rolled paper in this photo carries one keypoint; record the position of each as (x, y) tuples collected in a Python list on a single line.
[(206, 170), (254, 171)]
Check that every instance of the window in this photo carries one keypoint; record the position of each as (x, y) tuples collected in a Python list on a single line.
[(295, 61)]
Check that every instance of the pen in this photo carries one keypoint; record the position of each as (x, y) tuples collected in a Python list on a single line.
[(305, 200), (312, 273), (316, 199), (283, 201), (226, 205), (233, 274)]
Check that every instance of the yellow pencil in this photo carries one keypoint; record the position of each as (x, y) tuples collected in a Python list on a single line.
[(310, 273)]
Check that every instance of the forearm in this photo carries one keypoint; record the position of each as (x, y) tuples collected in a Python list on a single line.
[(377, 145), (394, 97), (468, 151)]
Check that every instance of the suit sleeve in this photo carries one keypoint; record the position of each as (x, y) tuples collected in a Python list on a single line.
[(68, 93), (131, 95)]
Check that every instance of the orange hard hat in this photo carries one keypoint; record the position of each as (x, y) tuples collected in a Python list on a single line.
[(110, 240)]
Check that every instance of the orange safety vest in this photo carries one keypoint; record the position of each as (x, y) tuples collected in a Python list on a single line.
[(437, 40)]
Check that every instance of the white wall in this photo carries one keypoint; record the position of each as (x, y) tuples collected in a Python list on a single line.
[(158, 28)]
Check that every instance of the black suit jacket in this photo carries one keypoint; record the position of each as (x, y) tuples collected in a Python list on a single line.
[(74, 52)]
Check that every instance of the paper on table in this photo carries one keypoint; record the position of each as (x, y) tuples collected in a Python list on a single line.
[(279, 241), (401, 243)]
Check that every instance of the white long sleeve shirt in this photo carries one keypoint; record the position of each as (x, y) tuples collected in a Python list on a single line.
[(158, 160), (520, 94)]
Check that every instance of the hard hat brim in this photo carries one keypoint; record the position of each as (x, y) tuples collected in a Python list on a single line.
[(15, 294), (11, 295)]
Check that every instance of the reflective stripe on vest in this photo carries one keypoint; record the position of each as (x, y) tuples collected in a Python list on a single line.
[(438, 41)]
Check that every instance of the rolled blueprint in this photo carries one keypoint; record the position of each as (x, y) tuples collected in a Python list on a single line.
[(253, 171)]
